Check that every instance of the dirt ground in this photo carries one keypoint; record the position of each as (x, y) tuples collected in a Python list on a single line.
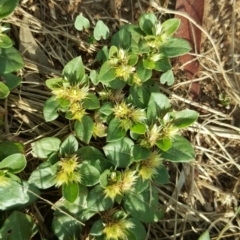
[(204, 194)]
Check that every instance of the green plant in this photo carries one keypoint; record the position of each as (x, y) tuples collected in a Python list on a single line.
[(124, 130), (10, 58)]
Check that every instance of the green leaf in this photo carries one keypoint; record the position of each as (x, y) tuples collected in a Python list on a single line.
[(77, 206), (97, 200), (115, 130), (4, 91), (84, 129), (138, 229), (162, 176), (5, 41), (148, 64), (66, 227), (106, 108), (143, 206), (133, 58), (121, 39), (50, 109), (70, 191), (94, 157), (18, 226), (164, 144), (163, 64), (74, 71), (139, 128), (175, 47), (205, 236), (89, 174), (91, 102), (119, 152), (8, 148), (102, 55), (69, 146), (44, 176), (101, 31), (17, 195), (104, 178), (185, 118), (170, 26), (97, 228), (54, 83), (167, 77), (10, 60), (107, 73), (140, 153), (147, 23), (139, 96), (11, 80), (94, 77), (158, 106), (143, 73), (14, 163), (181, 151), (44, 147), (81, 22), (140, 185), (7, 7)]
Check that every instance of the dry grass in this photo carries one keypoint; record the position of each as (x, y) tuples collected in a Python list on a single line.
[(203, 194)]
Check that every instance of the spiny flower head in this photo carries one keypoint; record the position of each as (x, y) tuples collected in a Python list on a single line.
[(124, 71), (77, 111), (129, 178), (148, 167), (118, 229), (68, 171), (119, 183), (128, 114), (151, 137), (74, 93)]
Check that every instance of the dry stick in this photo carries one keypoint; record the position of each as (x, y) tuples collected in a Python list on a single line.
[(6, 116), (195, 104), (221, 146), (233, 44), (165, 10), (227, 225), (53, 205)]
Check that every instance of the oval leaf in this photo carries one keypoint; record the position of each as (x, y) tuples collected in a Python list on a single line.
[(70, 191), (84, 129), (144, 206), (4, 91), (7, 7), (115, 131), (119, 152), (89, 174), (44, 147), (10, 60), (14, 163), (181, 151)]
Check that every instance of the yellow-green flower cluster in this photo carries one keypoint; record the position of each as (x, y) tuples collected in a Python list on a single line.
[(119, 187), (68, 171), (116, 230), (75, 95), (128, 115), (148, 167)]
